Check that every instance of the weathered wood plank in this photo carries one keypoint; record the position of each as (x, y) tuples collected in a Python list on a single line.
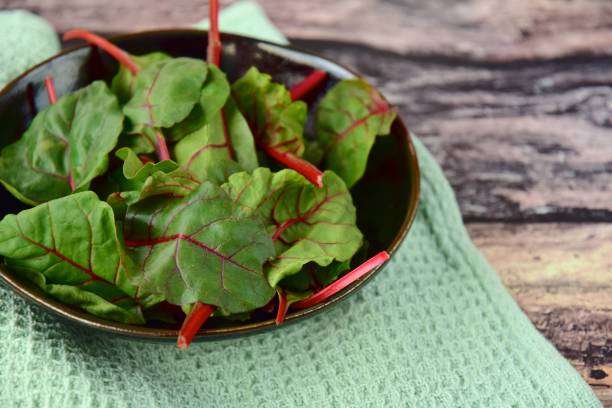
[(561, 276), (479, 29), (522, 141)]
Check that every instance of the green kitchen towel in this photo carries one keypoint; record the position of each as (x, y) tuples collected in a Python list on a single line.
[(435, 329), (25, 40)]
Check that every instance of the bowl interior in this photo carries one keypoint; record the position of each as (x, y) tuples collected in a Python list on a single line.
[(385, 198)]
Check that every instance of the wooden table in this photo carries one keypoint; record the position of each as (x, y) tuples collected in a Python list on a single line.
[(514, 98)]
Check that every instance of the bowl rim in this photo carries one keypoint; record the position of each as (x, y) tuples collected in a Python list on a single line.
[(80, 317)]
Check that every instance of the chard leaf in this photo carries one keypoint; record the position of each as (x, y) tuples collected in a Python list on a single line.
[(123, 82), (276, 121), (197, 248), (220, 148), (348, 120), (66, 146), (135, 172), (214, 95), (308, 224), (165, 92), (70, 248), (176, 184), (131, 176)]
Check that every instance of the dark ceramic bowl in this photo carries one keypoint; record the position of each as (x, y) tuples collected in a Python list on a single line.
[(386, 198)]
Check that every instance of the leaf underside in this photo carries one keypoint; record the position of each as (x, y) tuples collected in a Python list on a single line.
[(67, 143)]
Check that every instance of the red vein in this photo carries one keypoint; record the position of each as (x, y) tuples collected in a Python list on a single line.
[(302, 218), (377, 110), (345, 281), (202, 150), (308, 84), (192, 324), (214, 39), (61, 256), (227, 136), (114, 51), (118, 299), (188, 238)]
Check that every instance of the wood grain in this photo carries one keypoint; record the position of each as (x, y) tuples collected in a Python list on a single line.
[(561, 276), (486, 30), (522, 141)]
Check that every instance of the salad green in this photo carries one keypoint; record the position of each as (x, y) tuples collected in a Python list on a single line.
[(149, 194)]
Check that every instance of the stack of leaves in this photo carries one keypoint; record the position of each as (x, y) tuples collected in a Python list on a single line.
[(149, 192)]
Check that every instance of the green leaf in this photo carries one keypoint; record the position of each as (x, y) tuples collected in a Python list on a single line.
[(67, 141), (220, 148), (214, 95), (97, 298), (348, 120), (135, 172), (70, 248), (122, 84), (198, 248), (131, 176), (326, 275), (308, 224), (165, 92), (294, 297), (176, 184), (276, 121), (313, 276)]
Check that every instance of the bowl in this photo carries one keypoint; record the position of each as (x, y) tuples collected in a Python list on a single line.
[(386, 198)]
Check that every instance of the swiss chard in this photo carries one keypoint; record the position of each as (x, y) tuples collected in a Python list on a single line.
[(285, 300), (70, 248), (134, 172), (220, 148), (276, 122), (197, 248), (307, 224), (164, 94), (65, 147), (348, 120), (215, 93), (208, 233), (123, 82), (345, 281)]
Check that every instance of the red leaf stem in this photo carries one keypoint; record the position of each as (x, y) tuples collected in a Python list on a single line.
[(306, 169), (192, 323), (282, 307), (50, 90), (214, 39), (343, 282), (161, 147), (114, 51), (308, 84), (124, 59), (53, 100)]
